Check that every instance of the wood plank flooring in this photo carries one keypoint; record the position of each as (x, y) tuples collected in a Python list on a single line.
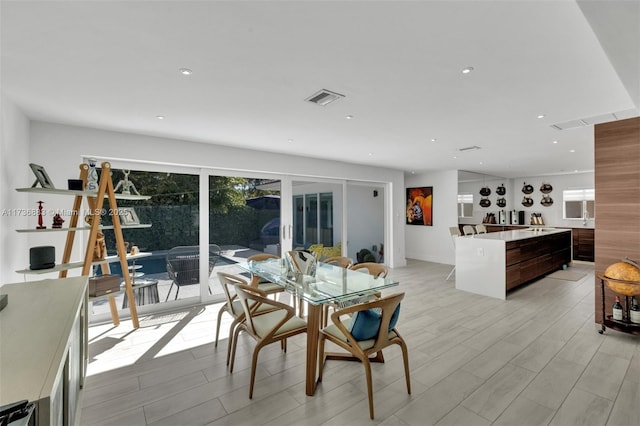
[(535, 359)]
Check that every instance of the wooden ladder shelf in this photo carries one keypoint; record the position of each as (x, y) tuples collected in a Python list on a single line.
[(96, 203)]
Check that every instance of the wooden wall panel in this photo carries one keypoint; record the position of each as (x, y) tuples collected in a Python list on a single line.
[(617, 184)]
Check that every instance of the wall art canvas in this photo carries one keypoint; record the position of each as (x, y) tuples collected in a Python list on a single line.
[(420, 206)]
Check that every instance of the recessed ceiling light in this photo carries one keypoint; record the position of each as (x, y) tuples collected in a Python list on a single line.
[(454, 157), (185, 71), (555, 141), (572, 150), (349, 117), (370, 154), (290, 140), (160, 117), (481, 162), (433, 139), (467, 70), (541, 116)]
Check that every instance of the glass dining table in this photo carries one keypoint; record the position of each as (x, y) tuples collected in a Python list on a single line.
[(329, 284)]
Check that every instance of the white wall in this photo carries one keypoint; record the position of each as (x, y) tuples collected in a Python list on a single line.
[(14, 172), (365, 219), (433, 243), (61, 148), (552, 215)]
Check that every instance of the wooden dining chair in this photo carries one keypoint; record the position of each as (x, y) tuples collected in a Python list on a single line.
[(267, 328), (233, 306), (265, 285), (343, 262), (371, 328), (375, 269)]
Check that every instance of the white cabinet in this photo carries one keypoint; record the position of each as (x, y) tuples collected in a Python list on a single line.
[(43, 355)]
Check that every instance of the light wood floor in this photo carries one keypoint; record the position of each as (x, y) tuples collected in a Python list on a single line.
[(535, 359)]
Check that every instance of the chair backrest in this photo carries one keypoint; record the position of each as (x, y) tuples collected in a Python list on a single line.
[(262, 256), (227, 281), (455, 231), (251, 299), (375, 269), (481, 229), (183, 263), (468, 230), (379, 315), (342, 261)]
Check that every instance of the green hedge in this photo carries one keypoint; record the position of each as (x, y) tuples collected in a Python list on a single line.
[(179, 225)]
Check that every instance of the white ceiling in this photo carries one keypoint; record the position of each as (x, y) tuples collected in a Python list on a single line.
[(114, 65)]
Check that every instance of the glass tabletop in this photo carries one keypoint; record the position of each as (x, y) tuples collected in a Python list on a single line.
[(330, 283)]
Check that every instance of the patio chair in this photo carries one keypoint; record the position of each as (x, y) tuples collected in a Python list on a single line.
[(183, 266)]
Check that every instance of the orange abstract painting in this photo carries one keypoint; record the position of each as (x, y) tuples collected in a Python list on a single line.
[(420, 206)]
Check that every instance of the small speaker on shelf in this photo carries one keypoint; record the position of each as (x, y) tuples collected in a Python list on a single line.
[(75, 184), (42, 257)]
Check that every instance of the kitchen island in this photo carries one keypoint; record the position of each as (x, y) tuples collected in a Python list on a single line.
[(494, 263)]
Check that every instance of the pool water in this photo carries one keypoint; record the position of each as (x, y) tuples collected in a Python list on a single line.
[(156, 264)]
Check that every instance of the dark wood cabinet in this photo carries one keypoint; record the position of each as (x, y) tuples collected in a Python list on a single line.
[(532, 258), (583, 244)]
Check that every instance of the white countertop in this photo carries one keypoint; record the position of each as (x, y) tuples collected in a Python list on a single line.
[(519, 234)]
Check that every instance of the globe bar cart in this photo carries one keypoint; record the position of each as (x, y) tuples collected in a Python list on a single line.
[(627, 289)]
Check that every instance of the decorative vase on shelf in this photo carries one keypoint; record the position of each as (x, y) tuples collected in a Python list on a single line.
[(92, 177)]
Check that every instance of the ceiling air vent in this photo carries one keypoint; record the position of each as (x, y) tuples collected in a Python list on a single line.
[(469, 148), (324, 97)]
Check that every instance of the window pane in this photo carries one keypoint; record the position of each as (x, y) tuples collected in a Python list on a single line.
[(173, 213), (467, 210), (591, 209), (311, 218), (326, 219), (573, 210)]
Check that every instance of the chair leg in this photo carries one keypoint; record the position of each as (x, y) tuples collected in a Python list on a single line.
[(405, 357), (177, 291), (254, 363), (325, 315), (233, 349), (169, 292), (232, 338), (321, 358), (367, 371), (220, 312)]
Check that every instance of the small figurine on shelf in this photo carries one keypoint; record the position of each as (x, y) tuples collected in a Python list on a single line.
[(57, 221), (92, 177), (40, 225), (126, 185), (100, 250)]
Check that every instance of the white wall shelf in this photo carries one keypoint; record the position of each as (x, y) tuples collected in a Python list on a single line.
[(80, 264), (55, 191), (84, 228)]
